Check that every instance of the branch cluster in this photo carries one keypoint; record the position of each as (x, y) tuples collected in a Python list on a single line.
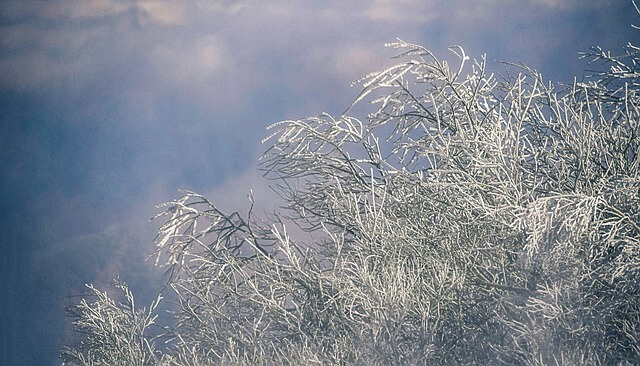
[(470, 219)]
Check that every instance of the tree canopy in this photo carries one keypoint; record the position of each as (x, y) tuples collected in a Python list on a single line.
[(470, 218)]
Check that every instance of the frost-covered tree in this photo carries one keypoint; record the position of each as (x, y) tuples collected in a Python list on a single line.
[(469, 219)]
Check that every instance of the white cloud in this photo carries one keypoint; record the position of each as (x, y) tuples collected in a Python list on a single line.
[(191, 63), (228, 6), (232, 195), (94, 8), (354, 61), (406, 11), (574, 4), (162, 12)]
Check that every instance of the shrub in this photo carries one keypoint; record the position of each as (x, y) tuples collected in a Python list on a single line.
[(470, 219)]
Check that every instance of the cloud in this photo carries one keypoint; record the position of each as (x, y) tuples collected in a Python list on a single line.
[(574, 4), (162, 12), (232, 194), (351, 62), (223, 6), (150, 12), (21, 10), (88, 9), (190, 63), (405, 11), (225, 43)]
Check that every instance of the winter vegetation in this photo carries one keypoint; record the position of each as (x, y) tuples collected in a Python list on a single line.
[(469, 218)]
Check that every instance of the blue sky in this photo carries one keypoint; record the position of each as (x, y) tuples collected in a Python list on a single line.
[(108, 107)]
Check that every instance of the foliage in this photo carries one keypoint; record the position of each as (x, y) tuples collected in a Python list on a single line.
[(115, 333), (469, 219)]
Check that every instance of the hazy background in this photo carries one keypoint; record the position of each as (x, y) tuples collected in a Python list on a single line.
[(108, 107)]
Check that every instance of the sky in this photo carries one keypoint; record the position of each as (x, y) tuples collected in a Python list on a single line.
[(108, 107)]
